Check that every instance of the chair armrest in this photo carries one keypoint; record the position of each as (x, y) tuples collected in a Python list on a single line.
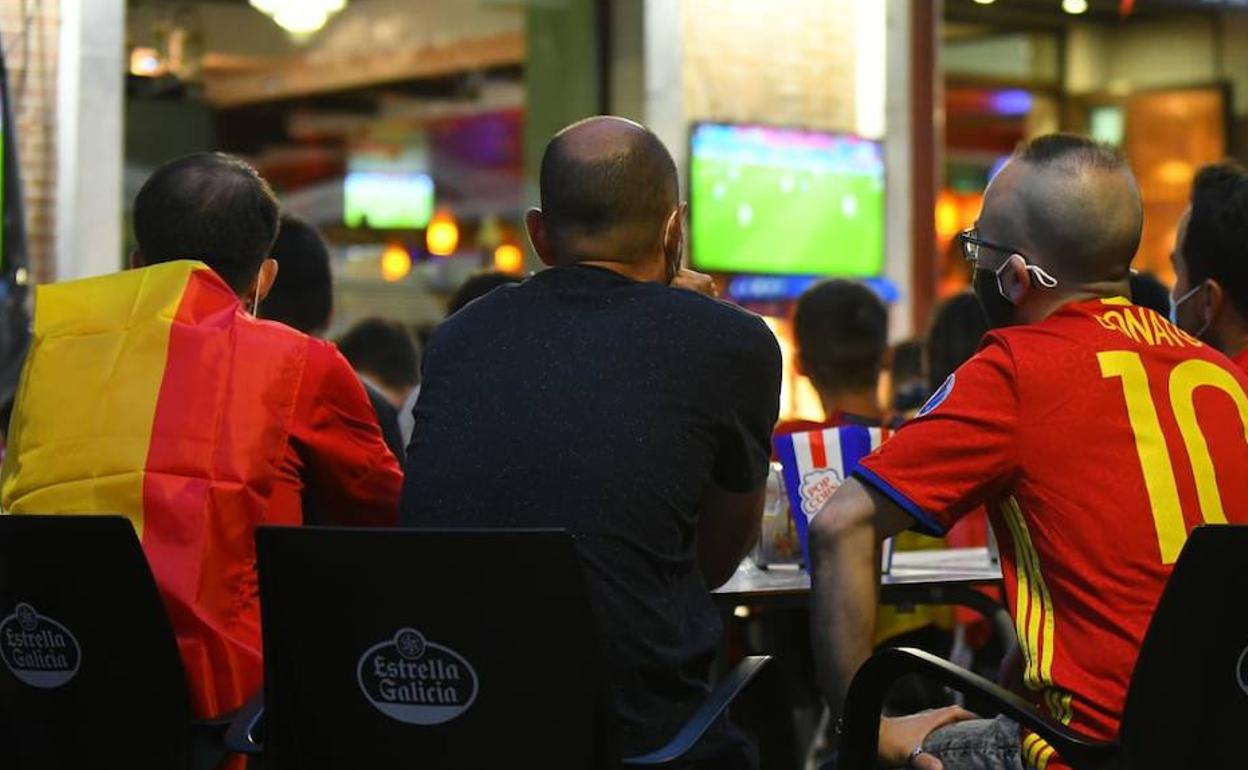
[(725, 692), (861, 723), (240, 734)]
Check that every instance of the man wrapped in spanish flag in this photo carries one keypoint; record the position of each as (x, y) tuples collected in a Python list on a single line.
[(155, 393)]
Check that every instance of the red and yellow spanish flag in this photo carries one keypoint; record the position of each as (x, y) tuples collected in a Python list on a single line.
[(152, 394)]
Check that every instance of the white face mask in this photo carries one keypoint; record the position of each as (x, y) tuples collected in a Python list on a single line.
[(255, 302)]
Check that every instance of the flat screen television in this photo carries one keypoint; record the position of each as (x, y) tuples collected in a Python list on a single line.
[(387, 190), (785, 201)]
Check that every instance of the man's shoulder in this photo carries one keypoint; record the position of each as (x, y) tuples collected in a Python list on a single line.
[(277, 333), (731, 321), (1038, 340), (483, 311), (320, 359)]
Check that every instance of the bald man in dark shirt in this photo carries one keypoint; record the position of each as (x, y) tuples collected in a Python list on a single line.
[(599, 398)]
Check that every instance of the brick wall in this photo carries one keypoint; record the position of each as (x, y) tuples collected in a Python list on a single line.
[(785, 62), (29, 29)]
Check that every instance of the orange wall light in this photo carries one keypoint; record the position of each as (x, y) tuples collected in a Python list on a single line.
[(396, 263), (948, 219), (442, 235), (509, 258)]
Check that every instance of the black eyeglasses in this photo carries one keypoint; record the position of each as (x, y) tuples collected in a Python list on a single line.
[(971, 246)]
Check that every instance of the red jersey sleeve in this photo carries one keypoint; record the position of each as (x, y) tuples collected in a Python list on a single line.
[(960, 450), (347, 465)]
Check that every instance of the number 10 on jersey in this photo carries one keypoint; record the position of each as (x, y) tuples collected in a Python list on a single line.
[(1150, 442)]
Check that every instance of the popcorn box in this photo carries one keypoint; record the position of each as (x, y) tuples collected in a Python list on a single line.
[(816, 463)]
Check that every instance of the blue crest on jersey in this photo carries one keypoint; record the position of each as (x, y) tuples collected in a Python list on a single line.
[(939, 396)]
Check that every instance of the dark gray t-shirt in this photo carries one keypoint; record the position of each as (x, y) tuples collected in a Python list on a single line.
[(585, 400)]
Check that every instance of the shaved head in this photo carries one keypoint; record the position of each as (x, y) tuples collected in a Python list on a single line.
[(608, 186), (1070, 205)]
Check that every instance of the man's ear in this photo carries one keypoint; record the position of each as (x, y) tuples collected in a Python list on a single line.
[(535, 223), (136, 259), (266, 277), (799, 367), (1014, 278), (1212, 300), (674, 231)]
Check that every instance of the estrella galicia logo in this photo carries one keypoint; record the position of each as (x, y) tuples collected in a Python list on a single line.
[(39, 651), (939, 396), (1241, 671), (413, 680)]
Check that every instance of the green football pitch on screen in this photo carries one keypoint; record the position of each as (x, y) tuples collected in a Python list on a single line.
[(387, 200), (786, 202)]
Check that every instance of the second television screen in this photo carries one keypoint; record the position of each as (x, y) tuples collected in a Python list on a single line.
[(786, 201)]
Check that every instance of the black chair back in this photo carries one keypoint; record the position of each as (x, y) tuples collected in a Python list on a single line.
[(1188, 702), (405, 648), (90, 674)]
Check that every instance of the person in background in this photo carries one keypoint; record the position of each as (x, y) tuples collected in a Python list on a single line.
[(384, 354), (478, 285), (1147, 291), (599, 397), (302, 297), (957, 329), (840, 333), (1211, 261), (908, 378), (203, 422), (1043, 426)]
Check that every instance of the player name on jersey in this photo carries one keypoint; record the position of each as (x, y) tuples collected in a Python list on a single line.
[(1145, 327)]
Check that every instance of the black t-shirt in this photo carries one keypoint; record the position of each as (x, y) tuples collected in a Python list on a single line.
[(585, 400)]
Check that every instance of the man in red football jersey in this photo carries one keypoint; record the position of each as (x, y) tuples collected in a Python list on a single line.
[(1097, 433), (1211, 261)]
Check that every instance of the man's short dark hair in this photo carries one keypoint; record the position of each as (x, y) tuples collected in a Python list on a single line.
[(477, 286), (841, 328), (302, 295), (1147, 291), (1088, 225), (211, 207), (384, 351), (1216, 245), (629, 187), (1071, 148)]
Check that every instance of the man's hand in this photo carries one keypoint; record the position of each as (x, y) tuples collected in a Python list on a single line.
[(900, 736), (695, 281)]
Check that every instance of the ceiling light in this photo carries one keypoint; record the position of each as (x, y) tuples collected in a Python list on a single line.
[(299, 17), (985, 2), (1075, 7)]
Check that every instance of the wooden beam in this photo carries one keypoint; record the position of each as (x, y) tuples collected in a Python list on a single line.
[(926, 141), (304, 76)]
